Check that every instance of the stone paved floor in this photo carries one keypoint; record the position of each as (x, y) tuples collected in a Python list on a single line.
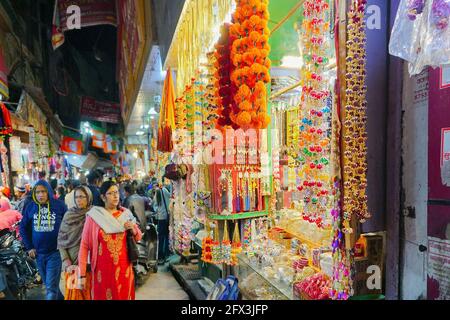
[(158, 286), (161, 286)]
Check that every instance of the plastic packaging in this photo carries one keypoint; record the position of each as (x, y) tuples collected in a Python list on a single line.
[(436, 48), (405, 38)]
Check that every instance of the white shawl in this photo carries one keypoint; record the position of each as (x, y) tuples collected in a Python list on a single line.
[(107, 222)]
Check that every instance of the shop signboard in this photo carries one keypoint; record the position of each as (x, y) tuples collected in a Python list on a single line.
[(93, 12), (72, 14), (438, 220), (101, 111), (134, 38), (444, 78), (445, 156)]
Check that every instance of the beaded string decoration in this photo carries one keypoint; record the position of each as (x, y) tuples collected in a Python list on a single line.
[(315, 113), (354, 124), (216, 248), (206, 244), (247, 235), (226, 245)]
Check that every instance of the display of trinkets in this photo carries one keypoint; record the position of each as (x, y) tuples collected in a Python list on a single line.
[(206, 244), (239, 189), (354, 125), (216, 247), (226, 246), (315, 114), (236, 245)]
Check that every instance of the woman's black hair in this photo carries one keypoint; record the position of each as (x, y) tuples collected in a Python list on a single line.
[(61, 190), (105, 187)]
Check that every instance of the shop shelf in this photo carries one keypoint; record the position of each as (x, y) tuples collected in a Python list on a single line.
[(308, 242), (237, 216), (285, 290)]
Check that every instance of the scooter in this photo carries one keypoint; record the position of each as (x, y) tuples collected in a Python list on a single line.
[(17, 270), (148, 250)]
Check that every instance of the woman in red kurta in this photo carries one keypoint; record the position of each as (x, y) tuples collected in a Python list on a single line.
[(104, 240)]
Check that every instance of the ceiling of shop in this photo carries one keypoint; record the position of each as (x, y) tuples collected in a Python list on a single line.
[(284, 41), (151, 86)]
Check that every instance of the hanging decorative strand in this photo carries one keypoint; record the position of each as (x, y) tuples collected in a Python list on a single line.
[(354, 125)]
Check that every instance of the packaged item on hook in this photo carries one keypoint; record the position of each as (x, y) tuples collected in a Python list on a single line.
[(436, 47), (405, 37)]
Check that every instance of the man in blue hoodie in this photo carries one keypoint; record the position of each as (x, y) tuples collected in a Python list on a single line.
[(39, 230)]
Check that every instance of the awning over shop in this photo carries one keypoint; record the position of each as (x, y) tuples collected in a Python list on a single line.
[(88, 162), (34, 109)]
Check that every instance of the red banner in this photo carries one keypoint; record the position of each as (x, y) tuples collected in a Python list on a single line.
[(93, 12), (101, 111), (71, 145)]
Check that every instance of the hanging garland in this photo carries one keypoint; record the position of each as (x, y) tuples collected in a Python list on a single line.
[(5, 121), (223, 86), (249, 35), (354, 125), (315, 115)]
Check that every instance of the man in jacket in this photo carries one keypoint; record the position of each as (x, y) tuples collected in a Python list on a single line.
[(161, 203), (94, 181), (39, 230), (136, 204)]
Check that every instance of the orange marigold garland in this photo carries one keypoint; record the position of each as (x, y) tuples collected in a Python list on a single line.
[(250, 49)]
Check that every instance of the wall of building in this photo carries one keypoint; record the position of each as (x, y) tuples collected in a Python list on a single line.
[(413, 225), (166, 15)]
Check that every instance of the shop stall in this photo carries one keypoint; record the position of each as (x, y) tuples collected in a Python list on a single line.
[(269, 158)]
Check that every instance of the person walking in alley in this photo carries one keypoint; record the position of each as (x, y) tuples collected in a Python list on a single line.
[(136, 204), (104, 240), (69, 240), (161, 207), (21, 196), (94, 180), (39, 229)]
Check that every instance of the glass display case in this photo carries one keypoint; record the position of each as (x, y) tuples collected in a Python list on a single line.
[(255, 283)]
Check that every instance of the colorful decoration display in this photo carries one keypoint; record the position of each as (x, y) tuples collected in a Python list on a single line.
[(5, 121), (249, 36), (167, 116), (223, 86), (354, 127), (315, 115)]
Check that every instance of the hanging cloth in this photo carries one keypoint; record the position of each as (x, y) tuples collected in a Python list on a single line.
[(167, 116), (6, 124)]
